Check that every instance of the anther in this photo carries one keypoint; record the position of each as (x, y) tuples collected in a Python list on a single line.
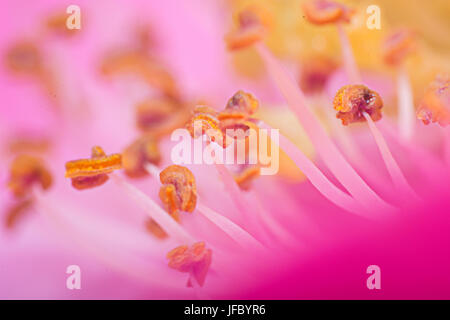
[(142, 151), (24, 57), (56, 23), (16, 212), (26, 171), (92, 172), (241, 105), (315, 73), (397, 46), (155, 229), (324, 11), (178, 192), (194, 260), (204, 120), (352, 101), (28, 145), (161, 116), (139, 64), (252, 26)]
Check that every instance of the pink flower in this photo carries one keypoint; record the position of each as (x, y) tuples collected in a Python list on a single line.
[(312, 238)]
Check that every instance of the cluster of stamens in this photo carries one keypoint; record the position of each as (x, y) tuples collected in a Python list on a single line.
[(236, 115)]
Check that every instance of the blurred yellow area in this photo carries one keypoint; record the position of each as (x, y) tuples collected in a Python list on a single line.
[(290, 127), (294, 39)]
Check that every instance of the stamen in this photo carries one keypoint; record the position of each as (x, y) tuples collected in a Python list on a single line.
[(26, 171), (161, 116), (406, 117), (142, 151), (84, 232), (178, 191), (93, 172), (154, 211), (356, 103), (323, 12), (242, 237), (24, 58), (28, 145), (317, 178), (139, 64), (252, 27), (155, 229), (314, 74), (16, 212), (435, 105), (325, 147), (56, 23), (153, 170), (194, 260), (349, 59), (239, 106), (205, 120), (234, 231), (397, 46), (352, 101), (240, 201), (394, 170)]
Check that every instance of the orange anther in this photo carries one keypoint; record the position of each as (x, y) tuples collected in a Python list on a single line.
[(195, 260), (315, 73), (178, 191), (28, 145), (204, 120), (155, 229), (92, 172), (134, 157), (352, 101), (398, 45), (241, 105), (57, 23), (324, 11), (16, 212), (24, 57), (26, 171), (252, 26), (160, 116), (435, 105), (139, 64)]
